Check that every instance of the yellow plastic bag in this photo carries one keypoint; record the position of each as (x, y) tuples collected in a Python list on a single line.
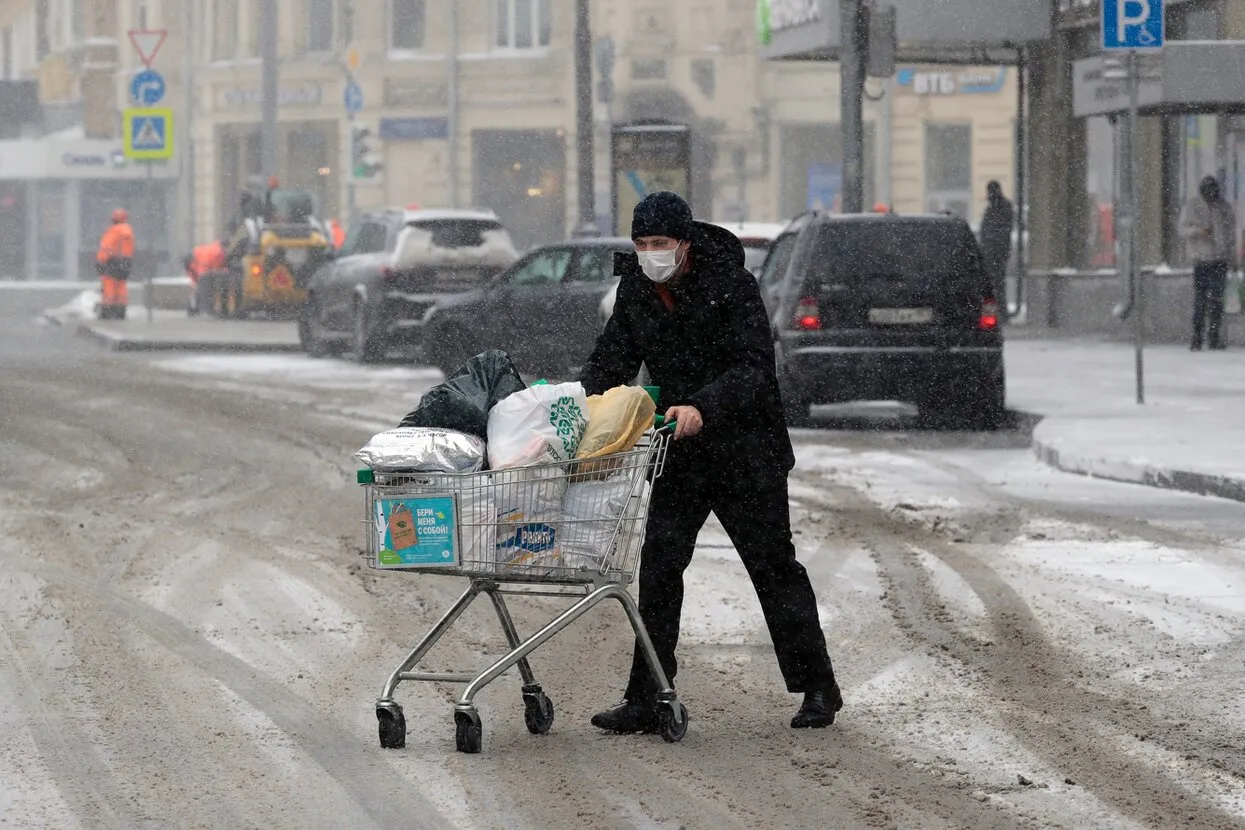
[(616, 420)]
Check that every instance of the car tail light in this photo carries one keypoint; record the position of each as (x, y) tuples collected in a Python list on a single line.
[(257, 270), (989, 320), (808, 315)]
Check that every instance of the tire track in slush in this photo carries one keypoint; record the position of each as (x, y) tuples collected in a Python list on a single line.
[(335, 751), (1053, 717), (80, 775), (1178, 730)]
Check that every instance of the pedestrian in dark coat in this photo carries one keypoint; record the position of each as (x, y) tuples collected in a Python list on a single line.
[(995, 238), (693, 315)]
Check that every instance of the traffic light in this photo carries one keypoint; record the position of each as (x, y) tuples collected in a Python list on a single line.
[(365, 165)]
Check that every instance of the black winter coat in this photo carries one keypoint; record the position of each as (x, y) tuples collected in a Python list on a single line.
[(997, 223), (714, 351)]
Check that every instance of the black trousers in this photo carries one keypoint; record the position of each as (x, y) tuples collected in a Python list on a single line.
[(759, 525), (995, 265), (1209, 281)]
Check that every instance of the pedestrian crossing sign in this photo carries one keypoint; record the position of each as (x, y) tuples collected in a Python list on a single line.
[(148, 133)]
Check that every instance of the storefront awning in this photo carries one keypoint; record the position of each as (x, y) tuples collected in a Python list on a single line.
[(928, 31), (1185, 78)]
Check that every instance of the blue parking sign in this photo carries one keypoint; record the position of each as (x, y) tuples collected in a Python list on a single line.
[(1132, 24)]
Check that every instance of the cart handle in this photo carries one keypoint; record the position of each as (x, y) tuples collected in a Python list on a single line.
[(662, 425)]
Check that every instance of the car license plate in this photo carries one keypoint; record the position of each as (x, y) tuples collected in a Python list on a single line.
[(296, 256), (900, 316)]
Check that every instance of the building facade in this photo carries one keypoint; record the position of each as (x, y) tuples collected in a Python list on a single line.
[(472, 103)]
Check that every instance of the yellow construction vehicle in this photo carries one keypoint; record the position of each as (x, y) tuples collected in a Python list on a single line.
[(275, 247)]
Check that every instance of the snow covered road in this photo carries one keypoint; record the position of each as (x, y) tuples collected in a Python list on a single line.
[(188, 637)]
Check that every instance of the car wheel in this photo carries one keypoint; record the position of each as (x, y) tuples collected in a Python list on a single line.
[(366, 348)]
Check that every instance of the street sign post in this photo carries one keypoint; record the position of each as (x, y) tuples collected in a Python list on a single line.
[(147, 43), (148, 134), (1131, 26), (147, 88)]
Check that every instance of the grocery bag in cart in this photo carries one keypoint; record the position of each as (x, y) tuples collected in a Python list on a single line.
[(532, 435)]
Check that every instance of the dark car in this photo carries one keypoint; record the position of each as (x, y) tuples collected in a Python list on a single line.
[(886, 307), (394, 266), (542, 310)]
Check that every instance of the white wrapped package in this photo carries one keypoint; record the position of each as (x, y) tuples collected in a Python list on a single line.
[(590, 514), (423, 450), (537, 425), (542, 424), (529, 510)]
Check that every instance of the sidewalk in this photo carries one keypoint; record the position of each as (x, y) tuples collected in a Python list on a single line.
[(170, 330), (1189, 435)]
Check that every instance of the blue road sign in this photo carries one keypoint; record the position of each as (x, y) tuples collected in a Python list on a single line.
[(148, 134), (147, 88), (353, 97), (1132, 24)]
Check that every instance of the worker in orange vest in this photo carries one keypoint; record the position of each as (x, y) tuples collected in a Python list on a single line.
[(204, 259), (114, 261), (339, 233)]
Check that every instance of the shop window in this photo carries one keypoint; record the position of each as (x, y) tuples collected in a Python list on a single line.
[(406, 24), (524, 24), (320, 25), (949, 168)]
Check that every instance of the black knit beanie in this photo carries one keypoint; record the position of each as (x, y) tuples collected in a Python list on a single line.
[(662, 214)]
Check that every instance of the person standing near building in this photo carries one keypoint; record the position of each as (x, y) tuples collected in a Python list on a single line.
[(1208, 226), (693, 315), (995, 237), (114, 261)]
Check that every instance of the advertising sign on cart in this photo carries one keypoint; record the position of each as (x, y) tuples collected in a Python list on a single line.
[(417, 531)]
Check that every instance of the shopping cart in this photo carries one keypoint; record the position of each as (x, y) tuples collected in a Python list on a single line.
[(570, 529)]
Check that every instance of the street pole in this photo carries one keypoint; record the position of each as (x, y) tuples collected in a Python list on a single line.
[(352, 199), (452, 94), (1135, 277), (583, 115), (150, 209), (186, 150), (852, 76), (269, 57)]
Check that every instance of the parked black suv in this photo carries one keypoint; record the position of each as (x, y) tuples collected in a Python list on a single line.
[(886, 307), (393, 267)]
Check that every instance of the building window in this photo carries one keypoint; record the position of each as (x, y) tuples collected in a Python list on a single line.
[(77, 21), (949, 168), (320, 25), (406, 24), (648, 70), (523, 24), (6, 43), (225, 30), (141, 16)]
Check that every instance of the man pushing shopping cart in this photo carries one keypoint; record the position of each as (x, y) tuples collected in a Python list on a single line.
[(689, 311)]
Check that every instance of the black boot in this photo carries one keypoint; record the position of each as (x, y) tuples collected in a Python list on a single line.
[(818, 708), (629, 716)]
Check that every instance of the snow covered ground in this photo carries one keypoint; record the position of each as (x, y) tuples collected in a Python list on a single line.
[(1018, 647)]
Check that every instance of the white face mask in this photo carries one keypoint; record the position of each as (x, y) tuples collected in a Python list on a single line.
[(659, 266)]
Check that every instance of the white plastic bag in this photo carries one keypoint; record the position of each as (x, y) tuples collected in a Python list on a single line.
[(591, 511), (537, 425), (1232, 293)]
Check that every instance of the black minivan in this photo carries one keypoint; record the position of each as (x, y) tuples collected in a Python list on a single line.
[(886, 307)]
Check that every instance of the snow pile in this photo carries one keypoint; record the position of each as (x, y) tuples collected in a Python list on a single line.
[(85, 306)]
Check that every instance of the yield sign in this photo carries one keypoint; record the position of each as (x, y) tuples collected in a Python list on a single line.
[(147, 43)]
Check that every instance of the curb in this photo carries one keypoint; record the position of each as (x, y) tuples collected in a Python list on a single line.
[(1184, 481), (120, 343)]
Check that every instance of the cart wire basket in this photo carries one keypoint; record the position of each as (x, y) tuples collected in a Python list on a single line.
[(566, 529)]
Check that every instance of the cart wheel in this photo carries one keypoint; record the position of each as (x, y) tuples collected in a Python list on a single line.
[(673, 729), (537, 712), (392, 726), (468, 732)]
